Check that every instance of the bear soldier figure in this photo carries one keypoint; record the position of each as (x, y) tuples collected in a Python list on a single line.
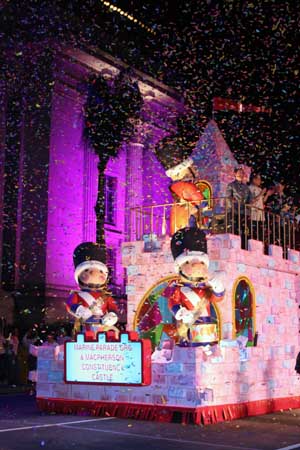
[(190, 298), (92, 305)]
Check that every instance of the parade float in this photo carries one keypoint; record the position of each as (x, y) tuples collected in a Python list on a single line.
[(212, 330)]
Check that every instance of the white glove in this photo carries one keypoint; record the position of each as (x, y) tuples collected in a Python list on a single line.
[(83, 313), (110, 319), (185, 315), (217, 285)]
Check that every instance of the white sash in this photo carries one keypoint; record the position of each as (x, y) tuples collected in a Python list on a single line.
[(87, 297), (190, 295)]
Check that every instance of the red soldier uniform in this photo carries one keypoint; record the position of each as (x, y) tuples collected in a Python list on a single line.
[(85, 303), (188, 198), (194, 299)]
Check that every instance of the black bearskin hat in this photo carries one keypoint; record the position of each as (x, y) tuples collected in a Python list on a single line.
[(86, 255), (188, 244)]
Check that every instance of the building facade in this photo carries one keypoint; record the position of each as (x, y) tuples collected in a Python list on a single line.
[(49, 175)]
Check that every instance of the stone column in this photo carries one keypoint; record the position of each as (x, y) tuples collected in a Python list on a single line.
[(2, 158), (134, 182), (90, 184)]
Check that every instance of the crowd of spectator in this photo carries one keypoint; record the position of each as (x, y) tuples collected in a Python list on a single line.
[(267, 211), (272, 199), (17, 360)]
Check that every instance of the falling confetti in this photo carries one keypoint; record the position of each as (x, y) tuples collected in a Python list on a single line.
[(202, 50)]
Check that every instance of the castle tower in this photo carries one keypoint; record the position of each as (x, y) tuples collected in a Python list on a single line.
[(214, 161)]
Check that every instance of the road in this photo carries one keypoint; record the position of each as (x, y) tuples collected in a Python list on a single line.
[(23, 427)]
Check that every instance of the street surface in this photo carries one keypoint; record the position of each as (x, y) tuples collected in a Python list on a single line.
[(23, 427)]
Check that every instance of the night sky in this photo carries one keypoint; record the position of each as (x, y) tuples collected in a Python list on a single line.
[(243, 50)]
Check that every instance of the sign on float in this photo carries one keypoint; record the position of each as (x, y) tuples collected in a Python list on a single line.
[(123, 362)]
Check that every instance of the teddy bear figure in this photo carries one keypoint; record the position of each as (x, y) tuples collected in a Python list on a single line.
[(92, 305), (190, 297)]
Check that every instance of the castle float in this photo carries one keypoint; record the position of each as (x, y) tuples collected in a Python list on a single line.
[(146, 372)]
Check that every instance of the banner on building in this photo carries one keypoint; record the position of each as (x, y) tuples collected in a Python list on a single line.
[(226, 104)]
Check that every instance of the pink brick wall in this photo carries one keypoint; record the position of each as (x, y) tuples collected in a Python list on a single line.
[(227, 376), (268, 370)]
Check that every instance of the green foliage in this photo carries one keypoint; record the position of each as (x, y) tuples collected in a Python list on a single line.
[(110, 114)]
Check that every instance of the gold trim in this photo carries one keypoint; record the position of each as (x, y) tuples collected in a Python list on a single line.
[(253, 306), (210, 204), (218, 314)]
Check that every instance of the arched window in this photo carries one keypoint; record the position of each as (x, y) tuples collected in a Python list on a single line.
[(206, 190), (207, 204), (153, 318), (244, 310)]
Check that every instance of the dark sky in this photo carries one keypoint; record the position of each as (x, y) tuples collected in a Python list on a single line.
[(245, 50)]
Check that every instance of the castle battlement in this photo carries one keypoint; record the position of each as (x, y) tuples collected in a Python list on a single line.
[(275, 280)]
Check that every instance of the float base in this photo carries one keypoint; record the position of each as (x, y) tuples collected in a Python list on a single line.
[(203, 415)]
